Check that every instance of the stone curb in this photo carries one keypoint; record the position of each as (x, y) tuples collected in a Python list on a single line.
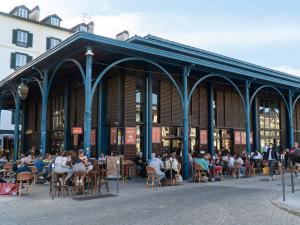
[(285, 207)]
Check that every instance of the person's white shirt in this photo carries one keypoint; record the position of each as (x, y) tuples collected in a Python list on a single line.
[(156, 163), (60, 160), (174, 164), (258, 156), (239, 160), (270, 155), (231, 162)]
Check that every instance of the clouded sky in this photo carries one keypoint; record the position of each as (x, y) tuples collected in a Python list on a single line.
[(261, 32)]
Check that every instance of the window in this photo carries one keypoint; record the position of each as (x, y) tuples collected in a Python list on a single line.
[(18, 60), (52, 42), (269, 119), (54, 21), (155, 101), (139, 100), (83, 28), (22, 38), (23, 13)]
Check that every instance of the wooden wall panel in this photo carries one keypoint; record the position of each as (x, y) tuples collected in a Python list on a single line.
[(228, 109), (130, 87), (220, 108), (165, 103), (235, 110), (242, 116), (112, 100), (203, 107), (177, 115), (195, 104)]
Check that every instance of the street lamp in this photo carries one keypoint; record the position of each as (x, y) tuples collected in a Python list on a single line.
[(23, 90)]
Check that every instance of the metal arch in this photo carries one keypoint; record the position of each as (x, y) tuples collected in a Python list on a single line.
[(100, 76), (295, 102), (216, 75), (14, 96), (276, 89), (58, 66)]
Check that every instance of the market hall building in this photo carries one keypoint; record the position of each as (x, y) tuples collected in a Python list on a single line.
[(148, 94)]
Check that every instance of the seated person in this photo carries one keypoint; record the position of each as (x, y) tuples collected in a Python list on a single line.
[(200, 160), (40, 165), (60, 165), (78, 164), (48, 158), (3, 160), (82, 157), (242, 169), (171, 160), (23, 168), (140, 164), (156, 163)]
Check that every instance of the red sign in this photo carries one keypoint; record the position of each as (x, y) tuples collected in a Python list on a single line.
[(93, 137), (130, 136), (237, 137), (203, 137), (113, 135), (156, 135), (77, 130)]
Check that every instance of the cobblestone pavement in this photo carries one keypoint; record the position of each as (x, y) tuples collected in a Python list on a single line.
[(230, 202)]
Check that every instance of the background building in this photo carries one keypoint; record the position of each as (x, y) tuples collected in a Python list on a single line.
[(24, 37)]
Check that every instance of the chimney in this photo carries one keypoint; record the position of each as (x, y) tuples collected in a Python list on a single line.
[(123, 36), (91, 27), (35, 13)]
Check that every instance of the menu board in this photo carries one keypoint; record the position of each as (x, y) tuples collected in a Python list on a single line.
[(112, 166), (156, 135), (237, 137), (93, 137), (113, 135), (130, 136), (203, 137)]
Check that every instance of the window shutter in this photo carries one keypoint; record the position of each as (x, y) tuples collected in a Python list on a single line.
[(30, 39), (13, 60), (48, 43), (14, 36), (29, 58)]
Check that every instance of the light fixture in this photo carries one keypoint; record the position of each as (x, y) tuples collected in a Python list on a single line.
[(23, 90)]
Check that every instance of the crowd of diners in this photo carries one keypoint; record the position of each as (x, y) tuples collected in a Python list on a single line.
[(166, 165)]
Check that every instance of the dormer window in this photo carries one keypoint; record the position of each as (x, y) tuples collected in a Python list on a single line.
[(54, 21), (83, 29), (23, 13)]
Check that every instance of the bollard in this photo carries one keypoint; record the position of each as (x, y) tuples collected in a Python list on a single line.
[(118, 171), (282, 177)]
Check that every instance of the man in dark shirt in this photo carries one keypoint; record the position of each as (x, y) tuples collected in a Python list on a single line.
[(140, 164)]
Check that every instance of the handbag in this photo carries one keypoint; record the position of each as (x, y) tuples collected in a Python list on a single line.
[(266, 171), (8, 189)]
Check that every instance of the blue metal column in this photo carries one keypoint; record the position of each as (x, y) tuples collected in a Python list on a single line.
[(87, 114), (17, 117), (247, 103), (66, 118), (290, 120), (44, 113), (210, 119), (101, 133), (149, 112), (255, 124), (185, 124)]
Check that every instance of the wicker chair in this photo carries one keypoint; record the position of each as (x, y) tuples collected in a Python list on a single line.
[(199, 173), (8, 167), (23, 181), (34, 174), (152, 177)]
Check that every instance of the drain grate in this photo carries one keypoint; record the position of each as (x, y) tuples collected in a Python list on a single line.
[(92, 197)]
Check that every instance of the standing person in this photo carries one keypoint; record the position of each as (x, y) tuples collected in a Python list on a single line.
[(271, 156)]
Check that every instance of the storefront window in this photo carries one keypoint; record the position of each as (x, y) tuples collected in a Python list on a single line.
[(269, 117), (171, 139), (57, 112), (139, 138), (139, 99), (155, 101)]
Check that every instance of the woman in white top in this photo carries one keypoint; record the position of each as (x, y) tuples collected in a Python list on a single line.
[(60, 165)]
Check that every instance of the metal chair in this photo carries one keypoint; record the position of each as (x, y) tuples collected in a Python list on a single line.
[(23, 181)]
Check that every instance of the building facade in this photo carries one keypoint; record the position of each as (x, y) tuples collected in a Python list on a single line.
[(25, 37), (149, 94)]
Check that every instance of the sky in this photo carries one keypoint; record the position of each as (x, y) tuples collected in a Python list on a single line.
[(261, 32)]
